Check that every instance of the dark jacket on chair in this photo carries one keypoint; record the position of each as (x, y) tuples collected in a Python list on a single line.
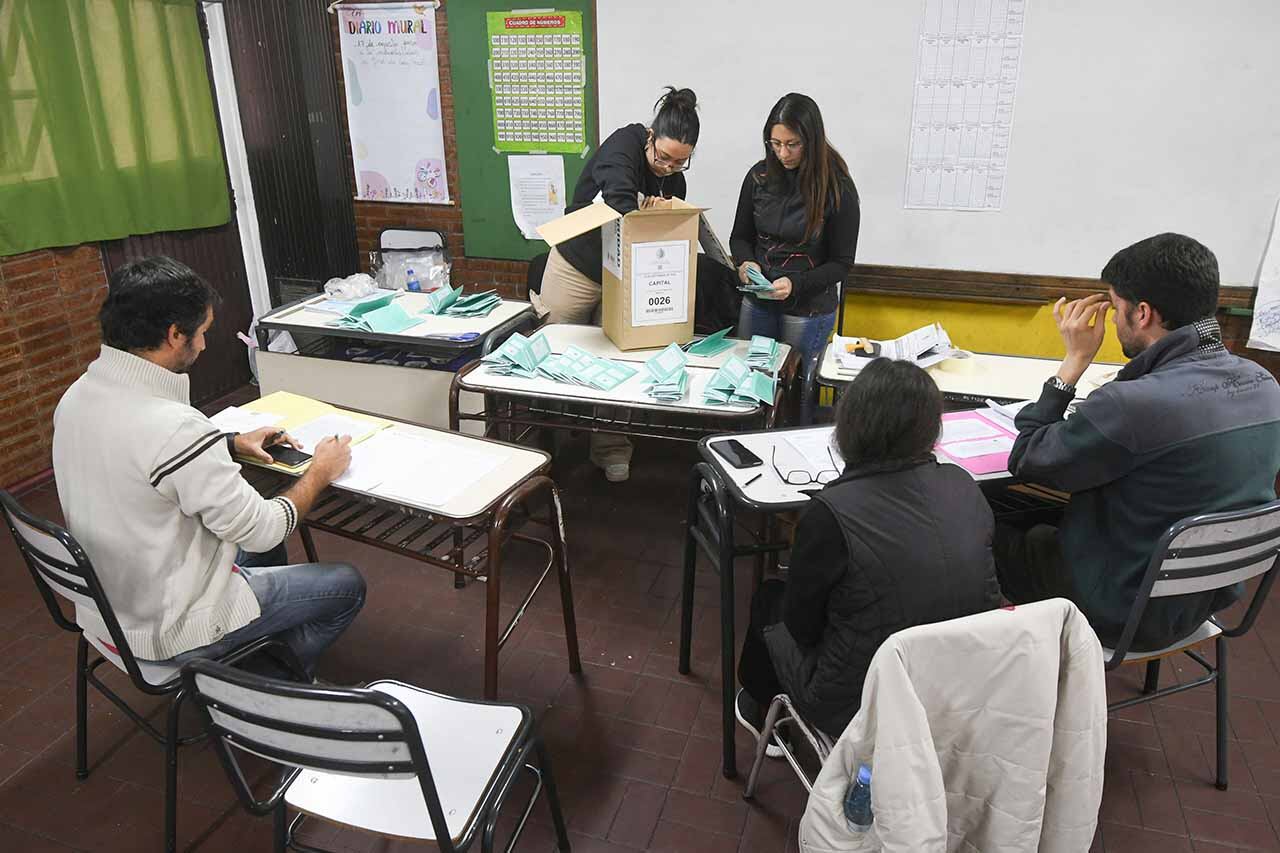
[(877, 551)]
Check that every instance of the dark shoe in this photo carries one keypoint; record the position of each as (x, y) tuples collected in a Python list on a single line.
[(751, 717)]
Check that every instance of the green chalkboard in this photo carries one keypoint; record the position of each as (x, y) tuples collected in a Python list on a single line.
[(488, 229)]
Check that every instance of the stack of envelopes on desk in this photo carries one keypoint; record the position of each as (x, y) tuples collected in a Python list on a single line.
[(763, 353), (579, 367), (712, 344), (666, 377), (441, 300), (475, 305), (519, 356), (378, 315), (736, 383)]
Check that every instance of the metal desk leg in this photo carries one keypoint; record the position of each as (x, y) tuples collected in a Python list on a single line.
[(728, 678), (308, 544), (492, 609), (566, 588), (690, 570), (809, 391)]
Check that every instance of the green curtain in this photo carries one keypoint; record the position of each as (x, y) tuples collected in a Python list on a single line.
[(107, 125)]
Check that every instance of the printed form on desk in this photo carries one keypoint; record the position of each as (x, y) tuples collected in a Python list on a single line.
[(418, 469)]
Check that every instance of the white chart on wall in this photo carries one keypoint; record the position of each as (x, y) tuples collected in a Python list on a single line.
[(392, 80), (969, 55)]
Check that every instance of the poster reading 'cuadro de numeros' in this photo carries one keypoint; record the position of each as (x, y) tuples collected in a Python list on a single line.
[(393, 102)]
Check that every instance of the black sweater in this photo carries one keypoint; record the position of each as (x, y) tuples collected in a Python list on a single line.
[(769, 229), (617, 172)]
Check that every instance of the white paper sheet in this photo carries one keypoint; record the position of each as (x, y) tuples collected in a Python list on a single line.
[(537, 190), (980, 447), (1265, 331), (232, 419), (431, 472), (813, 446), (966, 429), (967, 69), (311, 433)]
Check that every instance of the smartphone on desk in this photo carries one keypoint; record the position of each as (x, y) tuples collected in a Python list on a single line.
[(736, 454), (290, 457)]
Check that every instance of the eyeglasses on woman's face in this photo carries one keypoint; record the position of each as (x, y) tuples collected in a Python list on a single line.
[(790, 146), (664, 160)]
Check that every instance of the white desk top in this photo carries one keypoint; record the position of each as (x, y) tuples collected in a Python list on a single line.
[(412, 303), (516, 464), (770, 489), (595, 341), (631, 392), (986, 375)]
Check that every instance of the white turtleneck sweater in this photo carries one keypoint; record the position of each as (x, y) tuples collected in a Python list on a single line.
[(149, 489)]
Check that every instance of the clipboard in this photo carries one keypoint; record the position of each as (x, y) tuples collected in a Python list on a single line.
[(711, 244)]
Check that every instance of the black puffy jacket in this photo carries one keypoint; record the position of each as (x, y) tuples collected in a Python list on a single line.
[(917, 541)]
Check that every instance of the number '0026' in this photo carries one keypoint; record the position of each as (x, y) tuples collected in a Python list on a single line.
[(659, 300)]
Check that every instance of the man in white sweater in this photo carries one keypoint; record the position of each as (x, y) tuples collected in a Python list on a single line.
[(189, 554)]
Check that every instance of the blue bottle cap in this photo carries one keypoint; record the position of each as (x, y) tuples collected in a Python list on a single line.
[(864, 774)]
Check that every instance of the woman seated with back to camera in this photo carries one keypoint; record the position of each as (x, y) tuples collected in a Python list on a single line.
[(898, 539)]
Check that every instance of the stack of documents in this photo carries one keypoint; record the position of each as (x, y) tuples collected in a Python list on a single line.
[(347, 306), (475, 305), (441, 299), (756, 283), (666, 375), (519, 356), (763, 353), (736, 383), (711, 345), (926, 346), (576, 366), (387, 319)]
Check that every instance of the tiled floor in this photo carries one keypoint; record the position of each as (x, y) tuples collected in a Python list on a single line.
[(634, 744)]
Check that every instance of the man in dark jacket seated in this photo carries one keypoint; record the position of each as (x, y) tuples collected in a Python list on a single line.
[(897, 540), (1186, 428)]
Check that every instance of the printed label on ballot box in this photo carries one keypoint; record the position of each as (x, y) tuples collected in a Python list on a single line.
[(659, 283)]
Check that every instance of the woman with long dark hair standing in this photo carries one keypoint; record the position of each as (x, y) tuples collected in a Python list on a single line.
[(635, 163), (797, 224)]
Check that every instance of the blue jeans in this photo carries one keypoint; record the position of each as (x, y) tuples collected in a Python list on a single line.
[(806, 335), (308, 605)]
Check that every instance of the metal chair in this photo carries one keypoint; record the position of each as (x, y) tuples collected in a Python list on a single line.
[(59, 565), (1198, 555), (412, 238), (388, 758), (783, 712)]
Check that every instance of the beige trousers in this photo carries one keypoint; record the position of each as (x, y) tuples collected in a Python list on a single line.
[(568, 296)]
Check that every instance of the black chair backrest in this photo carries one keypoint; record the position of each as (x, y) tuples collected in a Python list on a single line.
[(1209, 552), (59, 565), (355, 731)]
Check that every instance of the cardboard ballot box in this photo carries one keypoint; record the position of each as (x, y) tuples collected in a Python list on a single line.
[(650, 269)]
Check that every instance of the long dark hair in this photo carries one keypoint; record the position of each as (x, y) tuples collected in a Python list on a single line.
[(892, 412), (675, 116), (821, 171)]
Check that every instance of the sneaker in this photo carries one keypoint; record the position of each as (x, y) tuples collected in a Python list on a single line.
[(751, 717), (618, 472)]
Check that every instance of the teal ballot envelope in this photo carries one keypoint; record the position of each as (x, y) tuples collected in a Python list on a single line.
[(762, 353), (372, 305), (666, 363), (730, 375), (670, 390), (758, 387), (606, 374), (438, 301), (520, 352), (712, 344), (390, 319), (475, 305), (756, 282)]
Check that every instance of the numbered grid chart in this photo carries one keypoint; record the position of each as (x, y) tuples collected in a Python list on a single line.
[(962, 110), (538, 79)]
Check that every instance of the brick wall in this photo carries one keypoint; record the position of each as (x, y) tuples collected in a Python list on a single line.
[(371, 217), (49, 303)]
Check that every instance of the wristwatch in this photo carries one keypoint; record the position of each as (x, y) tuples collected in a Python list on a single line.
[(1056, 383)]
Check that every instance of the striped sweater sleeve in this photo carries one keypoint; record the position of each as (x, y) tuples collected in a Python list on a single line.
[(195, 470)]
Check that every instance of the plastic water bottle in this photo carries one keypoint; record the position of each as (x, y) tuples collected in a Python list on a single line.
[(411, 281), (857, 801)]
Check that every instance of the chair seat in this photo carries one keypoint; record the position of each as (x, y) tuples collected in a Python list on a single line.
[(156, 674), (465, 743), (1207, 631)]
